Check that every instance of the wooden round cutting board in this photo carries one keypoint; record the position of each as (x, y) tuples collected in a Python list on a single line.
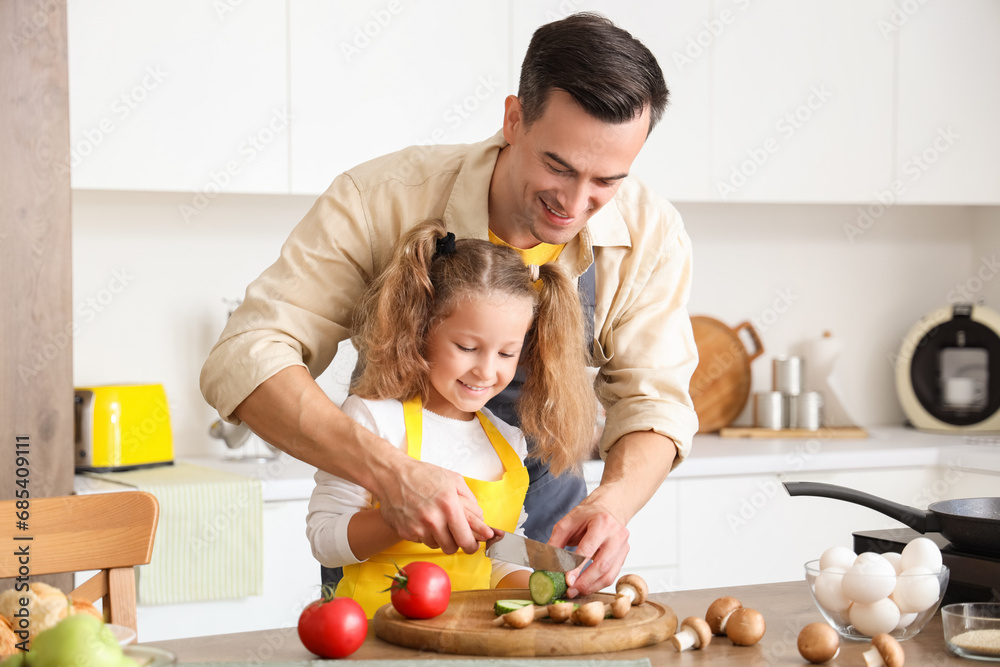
[(720, 385), (467, 628)]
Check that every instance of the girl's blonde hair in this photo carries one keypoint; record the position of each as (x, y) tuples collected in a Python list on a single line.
[(421, 287)]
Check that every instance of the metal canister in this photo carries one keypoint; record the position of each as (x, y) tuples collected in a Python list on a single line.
[(806, 411), (769, 410), (788, 375)]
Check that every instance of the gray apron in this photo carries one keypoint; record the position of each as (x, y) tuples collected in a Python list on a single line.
[(549, 497)]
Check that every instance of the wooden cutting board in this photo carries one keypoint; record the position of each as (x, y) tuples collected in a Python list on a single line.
[(467, 628), (720, 385)]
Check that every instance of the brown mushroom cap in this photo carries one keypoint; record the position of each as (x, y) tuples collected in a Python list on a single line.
[(561, 611), (520, 618), (718, 614), (620, 607), (745, 627), (694, 633), (885, 651), (818, 643), (591, 613), (631, 582)]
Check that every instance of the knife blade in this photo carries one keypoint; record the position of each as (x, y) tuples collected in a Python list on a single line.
[(519, 550)]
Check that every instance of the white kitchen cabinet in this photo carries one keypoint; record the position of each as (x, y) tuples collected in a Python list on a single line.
[(372, 77), (675, 159), (747, 529), (291, 581), (949, 103), (186, 96), (802, 101)]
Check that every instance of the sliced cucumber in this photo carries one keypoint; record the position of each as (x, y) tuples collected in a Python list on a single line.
[(501, 607), (546, 586)]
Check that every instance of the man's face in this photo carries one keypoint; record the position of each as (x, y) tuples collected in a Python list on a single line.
[(564, 167)]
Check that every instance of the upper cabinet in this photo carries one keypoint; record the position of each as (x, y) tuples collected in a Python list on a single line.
[(948, 116), (372, 77), (802, 101), (783, 101), (186, 95)]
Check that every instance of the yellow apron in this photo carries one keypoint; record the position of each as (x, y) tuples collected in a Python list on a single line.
[(501, 502)]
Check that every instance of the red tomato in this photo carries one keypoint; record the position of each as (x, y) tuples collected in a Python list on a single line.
[(421, 590), (333, 627)]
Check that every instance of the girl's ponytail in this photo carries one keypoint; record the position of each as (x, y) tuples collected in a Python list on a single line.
[(558, 407), (391, 319)]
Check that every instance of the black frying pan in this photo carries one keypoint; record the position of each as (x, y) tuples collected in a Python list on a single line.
[(970, 524)]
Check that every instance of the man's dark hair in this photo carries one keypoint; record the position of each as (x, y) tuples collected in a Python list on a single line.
[(609, 73)]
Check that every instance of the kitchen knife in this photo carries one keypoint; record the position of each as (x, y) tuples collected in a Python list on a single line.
[(519, 550)]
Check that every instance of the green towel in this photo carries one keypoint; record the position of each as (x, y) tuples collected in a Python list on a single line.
[(208, 541)]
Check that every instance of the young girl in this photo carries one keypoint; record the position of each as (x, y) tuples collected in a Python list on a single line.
[(438, 334)]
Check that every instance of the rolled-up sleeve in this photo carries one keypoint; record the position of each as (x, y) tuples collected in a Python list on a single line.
[(300, 308), (646, 349)]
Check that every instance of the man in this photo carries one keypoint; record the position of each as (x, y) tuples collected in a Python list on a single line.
[(553, 184)]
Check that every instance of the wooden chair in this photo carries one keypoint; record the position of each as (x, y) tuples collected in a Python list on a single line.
[(110, 532)]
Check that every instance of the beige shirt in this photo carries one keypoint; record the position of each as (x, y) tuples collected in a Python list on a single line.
[(300, 308)]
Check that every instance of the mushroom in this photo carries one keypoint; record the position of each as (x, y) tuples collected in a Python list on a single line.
[(523, 617), (694, 633), (633, 587), (719, 612), (591, 613), (619, 608), (561, 611), (819, 643), (885, 651), (745, 627)]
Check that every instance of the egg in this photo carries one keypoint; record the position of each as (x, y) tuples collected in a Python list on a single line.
[(837, 557), (870, 579), (875, 617), (905, 620), (921, 552), (895, 559), (917, 589), (828, 590)]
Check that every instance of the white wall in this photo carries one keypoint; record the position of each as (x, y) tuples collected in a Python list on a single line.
[(157, 320), (983, 280)]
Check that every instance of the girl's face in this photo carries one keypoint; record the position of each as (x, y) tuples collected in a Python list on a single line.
[(473, 353)]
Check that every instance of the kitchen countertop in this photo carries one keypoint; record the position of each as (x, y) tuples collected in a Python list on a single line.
[(285, 478), (786, 607)]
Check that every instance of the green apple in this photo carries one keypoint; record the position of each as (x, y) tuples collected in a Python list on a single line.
[(16, 660), (76, 641)]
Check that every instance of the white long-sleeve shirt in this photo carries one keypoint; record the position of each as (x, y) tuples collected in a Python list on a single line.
[(459, 446)]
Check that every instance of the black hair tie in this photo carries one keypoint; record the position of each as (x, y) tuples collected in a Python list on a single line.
[(445, 245)]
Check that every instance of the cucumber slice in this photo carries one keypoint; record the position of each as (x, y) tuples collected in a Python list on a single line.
[(546, 586), (501, 607)]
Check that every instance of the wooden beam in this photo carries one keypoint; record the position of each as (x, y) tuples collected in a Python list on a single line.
[(36, 327)]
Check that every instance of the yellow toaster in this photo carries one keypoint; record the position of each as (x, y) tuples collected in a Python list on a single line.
[(122, 427)]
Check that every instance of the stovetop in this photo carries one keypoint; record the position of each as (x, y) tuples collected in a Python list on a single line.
[(974, 577)]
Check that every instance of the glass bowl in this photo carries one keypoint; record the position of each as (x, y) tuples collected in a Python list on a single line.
[(972, 629), (909, 624)]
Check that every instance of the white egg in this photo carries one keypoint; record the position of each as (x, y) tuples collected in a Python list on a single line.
[(895, 559), (905, 620), (828, 590), (870, 579), (837, 557), (921, 552), (876, 617), (917, 589)]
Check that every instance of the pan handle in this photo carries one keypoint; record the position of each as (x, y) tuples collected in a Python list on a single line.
[(918, 520)]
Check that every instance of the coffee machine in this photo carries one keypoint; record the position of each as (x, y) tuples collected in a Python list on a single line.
[(948, 371)]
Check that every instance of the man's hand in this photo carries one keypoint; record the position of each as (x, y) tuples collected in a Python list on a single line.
[(434, 506), (597, 534)]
